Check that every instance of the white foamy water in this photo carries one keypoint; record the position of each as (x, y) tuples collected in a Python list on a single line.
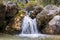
[(33, 35), (29, 26)]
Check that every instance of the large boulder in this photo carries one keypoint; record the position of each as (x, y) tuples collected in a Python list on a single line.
[(46, 15), (11, 8), (15, 23), (53, 27)]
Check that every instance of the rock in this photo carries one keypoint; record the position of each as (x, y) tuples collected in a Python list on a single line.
[(15, 23), (30, 6), (37, 9), (53, 27), (46, 15), (42, 19), (2, 17), (11, 10), (50, 7)]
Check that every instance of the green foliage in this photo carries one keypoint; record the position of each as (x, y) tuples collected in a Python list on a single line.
[(32, 0), (30, 4), (43, 2), (20, 4), (46, 2), (13, 0)]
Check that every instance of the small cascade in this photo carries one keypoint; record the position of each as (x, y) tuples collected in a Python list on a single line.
[(29, 26)]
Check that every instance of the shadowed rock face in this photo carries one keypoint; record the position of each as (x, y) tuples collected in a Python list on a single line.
[(53, 27), (46, 15), (2, 17)]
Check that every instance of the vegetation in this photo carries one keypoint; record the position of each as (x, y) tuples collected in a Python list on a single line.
[(31, 3)]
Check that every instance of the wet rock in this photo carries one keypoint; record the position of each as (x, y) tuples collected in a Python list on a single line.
[(46, 15), (53, 27), (37, 9), (15, 23)]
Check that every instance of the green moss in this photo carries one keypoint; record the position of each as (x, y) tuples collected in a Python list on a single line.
[(46, 2), (20, 12), (30, 4), (20, 5), (13, 0)]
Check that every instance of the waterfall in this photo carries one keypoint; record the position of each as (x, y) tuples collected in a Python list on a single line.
[(29, 25)]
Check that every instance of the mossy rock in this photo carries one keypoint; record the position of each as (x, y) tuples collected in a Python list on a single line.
[(15, 23)]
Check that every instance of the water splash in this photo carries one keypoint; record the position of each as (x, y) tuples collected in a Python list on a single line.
[(29, 26)]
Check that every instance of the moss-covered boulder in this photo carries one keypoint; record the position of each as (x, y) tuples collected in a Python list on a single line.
[(15, 23)]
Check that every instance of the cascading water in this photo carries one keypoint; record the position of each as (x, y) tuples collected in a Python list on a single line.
[(29, 26)]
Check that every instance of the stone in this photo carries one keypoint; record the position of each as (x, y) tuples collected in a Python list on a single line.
[(15, 23), (46, 15), (2, 17), (37, 9), (53, 27), (50, 7), (11, 10)]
